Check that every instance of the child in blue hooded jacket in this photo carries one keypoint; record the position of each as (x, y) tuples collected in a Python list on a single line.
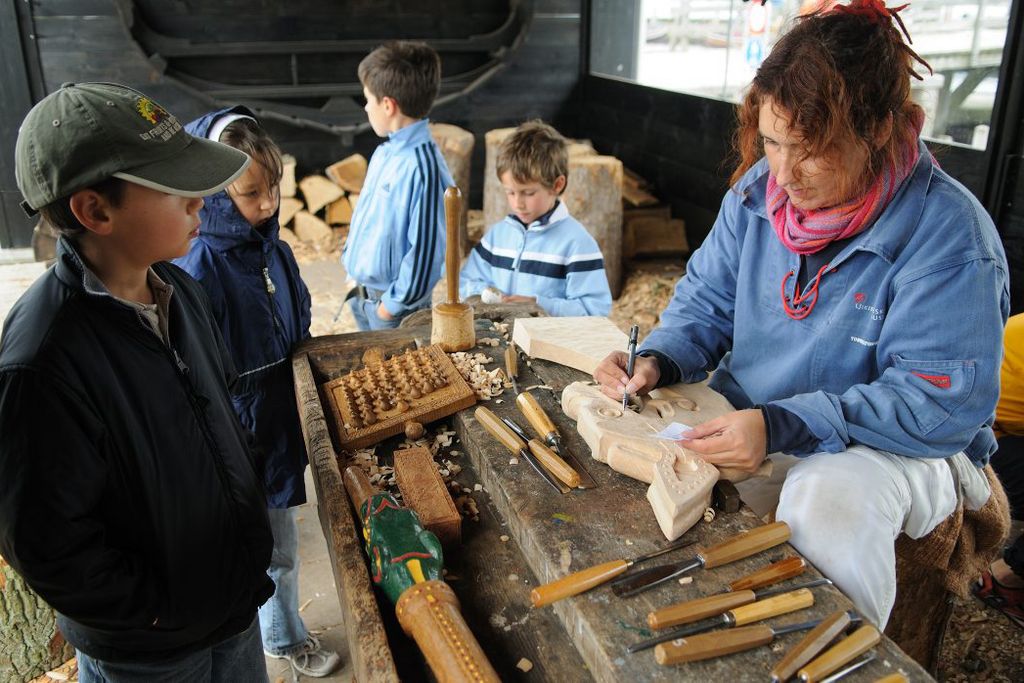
[(263, 307)]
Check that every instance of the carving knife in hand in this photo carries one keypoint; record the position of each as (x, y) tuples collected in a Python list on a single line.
[(543, 425), (736, 548), (500, 431)]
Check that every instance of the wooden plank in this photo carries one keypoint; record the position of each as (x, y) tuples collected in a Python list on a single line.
[(368, 645)]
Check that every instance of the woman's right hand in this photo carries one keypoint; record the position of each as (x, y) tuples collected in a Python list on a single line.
[(611, 375)]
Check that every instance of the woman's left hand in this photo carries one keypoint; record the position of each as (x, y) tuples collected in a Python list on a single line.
[(737, 440)]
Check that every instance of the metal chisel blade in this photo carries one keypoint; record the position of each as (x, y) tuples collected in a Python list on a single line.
[(586, 481), (648, 578)]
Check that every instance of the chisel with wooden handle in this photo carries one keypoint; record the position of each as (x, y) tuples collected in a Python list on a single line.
[(500, 431), (811, 645), (759, 610), (547, 457), (718, 643), (512, 366), (585, 579), (896, 677), (843, 652), (736, 548), (714, 605), (545, 427), (847, 670), (694, 610)]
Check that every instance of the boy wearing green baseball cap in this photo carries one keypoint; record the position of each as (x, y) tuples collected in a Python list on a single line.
[(131, 501)]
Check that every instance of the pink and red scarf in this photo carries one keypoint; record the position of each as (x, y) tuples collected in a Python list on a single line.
[(806, 232)]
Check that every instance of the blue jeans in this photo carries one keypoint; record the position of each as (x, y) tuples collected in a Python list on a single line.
[(365, 313), (280, 623), (237, 659)]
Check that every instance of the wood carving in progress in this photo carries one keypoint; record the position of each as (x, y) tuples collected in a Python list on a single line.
[(580, 343), (376, 401), (680, 481)]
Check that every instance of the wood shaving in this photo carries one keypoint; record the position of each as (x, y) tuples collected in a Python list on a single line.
[(485, 383), (504, 538), (685, 580), (488, 341), (709, 515), (524, 665)]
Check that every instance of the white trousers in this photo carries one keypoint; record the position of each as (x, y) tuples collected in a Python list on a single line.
[(846, 509)]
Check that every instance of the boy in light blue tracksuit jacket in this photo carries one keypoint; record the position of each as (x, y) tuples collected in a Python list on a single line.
[(396, 242), (539, 253)]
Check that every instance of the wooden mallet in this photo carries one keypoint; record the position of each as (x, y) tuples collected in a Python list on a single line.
[(452, 322)]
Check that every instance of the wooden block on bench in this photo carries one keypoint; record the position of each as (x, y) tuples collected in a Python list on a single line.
[(424, 491)]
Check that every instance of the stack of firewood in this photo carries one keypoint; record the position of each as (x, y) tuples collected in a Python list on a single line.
[(648, 229), (316, 211)]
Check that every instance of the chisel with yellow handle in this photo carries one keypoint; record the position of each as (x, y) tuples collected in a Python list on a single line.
[(592, 577), (736, 548), (760, 610), (894, 678), (512, 366), (719, 643), (694, 610), (843, 652), (811, 646), (508, 438), (545, 428), (547, 457), (715, 605)]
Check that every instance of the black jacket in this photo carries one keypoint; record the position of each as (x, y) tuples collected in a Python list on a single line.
[(128, 494)]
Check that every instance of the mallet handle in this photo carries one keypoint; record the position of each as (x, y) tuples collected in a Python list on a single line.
[(452, 219)]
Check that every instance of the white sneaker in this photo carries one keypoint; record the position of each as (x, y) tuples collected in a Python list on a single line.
[(310, 658)]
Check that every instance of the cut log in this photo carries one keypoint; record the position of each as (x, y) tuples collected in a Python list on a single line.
[(349, 173), (495, 204), (475, 226), (319, 192), (287, 175), (580, 148), (30, 643), (456, 145), (653, 236), (634, 196), (339, 212), (311, 229), (353, 197), (288, 237), (424, 491), (594, 198), (289, 207)]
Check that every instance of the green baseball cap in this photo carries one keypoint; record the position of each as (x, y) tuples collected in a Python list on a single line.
[(85, 133)]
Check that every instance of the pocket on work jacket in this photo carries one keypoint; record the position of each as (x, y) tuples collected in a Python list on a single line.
[(938, 388)]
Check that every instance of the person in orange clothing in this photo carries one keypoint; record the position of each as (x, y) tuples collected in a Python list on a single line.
[(1002, 587)]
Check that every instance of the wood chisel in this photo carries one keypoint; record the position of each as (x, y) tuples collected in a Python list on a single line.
[(592, 577), (551, 461), (846, 671), (739, 592), (759, 610), (512, 366), (545, 427), (811, 646), (736, 548), (500, 431), (718, 643), (714, 605), (895, 677), (840, 654)]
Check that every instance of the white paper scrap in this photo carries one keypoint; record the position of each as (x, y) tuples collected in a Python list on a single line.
[(674, 431)]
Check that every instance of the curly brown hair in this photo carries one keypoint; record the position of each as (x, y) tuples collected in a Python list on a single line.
[(840, 77)]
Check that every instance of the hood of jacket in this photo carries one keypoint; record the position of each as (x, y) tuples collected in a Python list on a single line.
[(222, 227)]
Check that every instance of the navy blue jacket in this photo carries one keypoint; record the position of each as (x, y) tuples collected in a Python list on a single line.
[(236, 264)]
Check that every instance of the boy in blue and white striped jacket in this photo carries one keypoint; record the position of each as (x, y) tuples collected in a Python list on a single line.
[(539, 253)]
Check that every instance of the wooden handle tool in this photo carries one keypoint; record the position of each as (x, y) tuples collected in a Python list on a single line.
[(718, 643), (736, 548), (585, 579), (896, 677), (512, 366), (845, 651), (810, 646), (554, 463), (452, 219), (537, 418), (508, 438), (738, 616), (773, 573)]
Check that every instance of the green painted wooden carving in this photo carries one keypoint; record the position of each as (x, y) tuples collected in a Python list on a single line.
[(403, 553)]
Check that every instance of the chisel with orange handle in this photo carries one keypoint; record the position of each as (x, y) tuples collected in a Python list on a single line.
[(592, 577), (508, 438), (552, 461), (811, 646), (736, 548), (718, 604), (843, 652), (894, 678), (545, 428), (760, 610), (694, 610), (718, 643)]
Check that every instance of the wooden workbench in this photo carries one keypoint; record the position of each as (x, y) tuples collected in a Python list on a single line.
[(582, 638)]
